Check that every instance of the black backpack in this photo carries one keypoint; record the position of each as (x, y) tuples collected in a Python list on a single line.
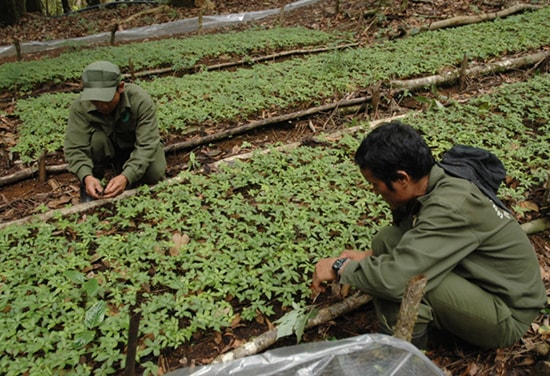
[(479, 166)]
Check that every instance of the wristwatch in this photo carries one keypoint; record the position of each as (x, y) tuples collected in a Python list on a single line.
[(337, 265)]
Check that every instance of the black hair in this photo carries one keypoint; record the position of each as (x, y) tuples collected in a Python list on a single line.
[(391, 147)]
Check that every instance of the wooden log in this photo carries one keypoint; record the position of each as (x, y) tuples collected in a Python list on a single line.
[(538, 225), (268, 338), (449, 77), (467, 20)]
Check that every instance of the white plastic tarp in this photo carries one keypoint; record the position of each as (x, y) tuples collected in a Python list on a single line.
[(157, 30), (364, 355)]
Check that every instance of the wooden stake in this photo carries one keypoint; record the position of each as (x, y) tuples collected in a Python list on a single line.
[(463, 72), (42, 168), (132, 69), (133, 330), (409, 308), (17, 46), (546, 197), (113, 33)]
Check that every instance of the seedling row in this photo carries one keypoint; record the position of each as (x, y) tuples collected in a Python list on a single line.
[(214, 249), (209, 98)]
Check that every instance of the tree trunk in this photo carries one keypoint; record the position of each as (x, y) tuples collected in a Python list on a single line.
[(34, 6), (9, 15), (66, 6)]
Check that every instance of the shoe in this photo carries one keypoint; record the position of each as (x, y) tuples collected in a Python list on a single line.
[(84, 197), (420, 340)]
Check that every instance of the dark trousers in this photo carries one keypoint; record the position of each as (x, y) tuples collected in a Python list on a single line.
[(455, 305), (105, 154)]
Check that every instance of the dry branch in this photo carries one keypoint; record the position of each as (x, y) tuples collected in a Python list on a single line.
[(408, 311), (76, 209), (248, 61), (146, 12), (260, 123), (268, 338), (449, 77), (466, 20), (538, 225), (507, 64)]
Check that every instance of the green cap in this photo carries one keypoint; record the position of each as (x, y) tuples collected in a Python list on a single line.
[(100, 80)]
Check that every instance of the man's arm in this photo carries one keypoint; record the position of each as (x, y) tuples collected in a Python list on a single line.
[(438, 242), (147, 138), (77, 148)]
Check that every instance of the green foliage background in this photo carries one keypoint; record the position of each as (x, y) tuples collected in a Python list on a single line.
[(209, 97), (254, 230)]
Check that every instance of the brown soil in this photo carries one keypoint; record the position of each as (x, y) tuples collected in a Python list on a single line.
[(25, 197)]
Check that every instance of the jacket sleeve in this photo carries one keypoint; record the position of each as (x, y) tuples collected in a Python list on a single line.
[(440, 239), (77, 147), (147, 139)]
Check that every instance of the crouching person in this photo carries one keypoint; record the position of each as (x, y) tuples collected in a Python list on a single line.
[(112, 123), (483, 279)]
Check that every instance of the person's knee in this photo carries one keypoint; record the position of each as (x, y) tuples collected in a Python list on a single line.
[(472, 314), (102, 148), (156, 170)]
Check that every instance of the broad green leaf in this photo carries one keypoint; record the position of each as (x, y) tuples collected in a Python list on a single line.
[(95, 314), (91, 286), (82, 339), (74, 276), (286, 324)]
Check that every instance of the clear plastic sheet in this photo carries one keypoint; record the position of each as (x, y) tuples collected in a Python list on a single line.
[(157, 30), (364, 355)]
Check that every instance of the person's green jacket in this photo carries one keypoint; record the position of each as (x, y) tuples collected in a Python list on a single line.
[(455, 227), (132, 125)]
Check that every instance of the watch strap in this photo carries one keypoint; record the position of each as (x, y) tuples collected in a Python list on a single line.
[(337, 265)]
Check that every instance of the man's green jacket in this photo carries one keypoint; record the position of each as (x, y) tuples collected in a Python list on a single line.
[(455, 227), (132, 126)]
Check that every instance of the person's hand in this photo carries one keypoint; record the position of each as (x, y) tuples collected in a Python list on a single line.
[(323, 272), (93, 186), (116, 186), (356, 255)]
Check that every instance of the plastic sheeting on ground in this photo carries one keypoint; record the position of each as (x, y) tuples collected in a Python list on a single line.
[(157, 30), (364, 355)]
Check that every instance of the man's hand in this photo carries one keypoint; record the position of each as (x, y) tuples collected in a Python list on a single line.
[(116, 186), (323, 273), (93, 187)]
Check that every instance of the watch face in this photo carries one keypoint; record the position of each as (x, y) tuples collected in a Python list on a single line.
[(338, 264)]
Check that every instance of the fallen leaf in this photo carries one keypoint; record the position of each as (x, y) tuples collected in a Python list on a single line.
[(55, 204), (179, 241), (236, 320), (54, 185), (471, 370), (529, 205)]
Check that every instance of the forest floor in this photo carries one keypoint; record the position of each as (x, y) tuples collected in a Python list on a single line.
[(24, 197)]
